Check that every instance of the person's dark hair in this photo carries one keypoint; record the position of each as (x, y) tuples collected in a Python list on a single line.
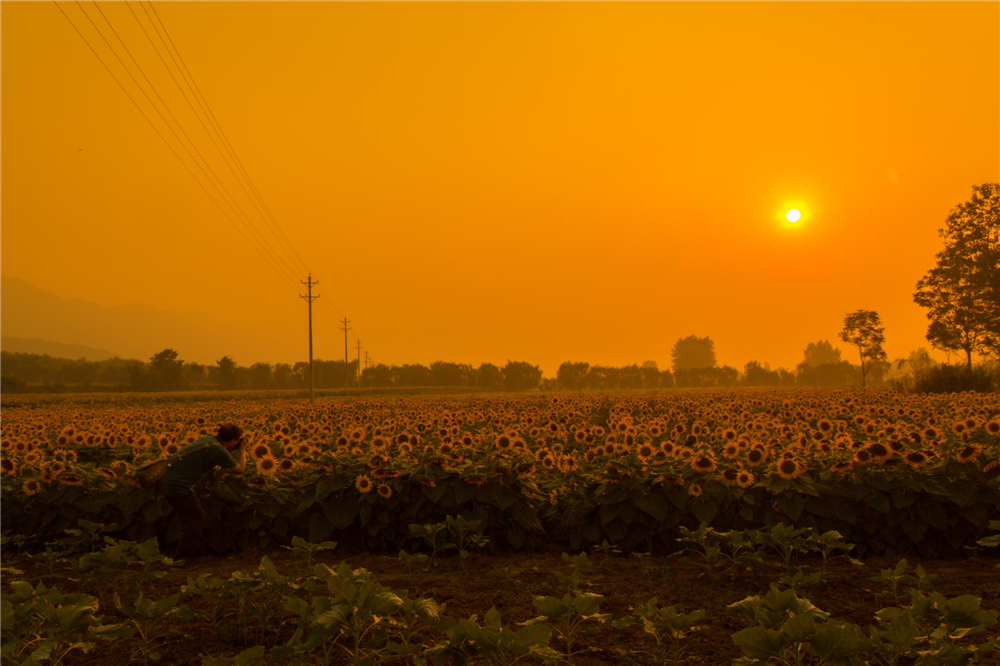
[(229, 433)]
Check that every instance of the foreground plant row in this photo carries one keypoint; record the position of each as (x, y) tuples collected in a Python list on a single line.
[(891, 472), (343, 615)]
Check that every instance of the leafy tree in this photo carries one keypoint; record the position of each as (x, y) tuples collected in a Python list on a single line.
[(138, 375), (283, 376), (520, 376), (450, 374), (260, 375), (166, 371), (650, 375), (411, 375), (962, 291), (571, 375), (863, 330), (820, 352), (489, 376), (828, 374), (693, 352), (225, 371), (755, 374), (378, 376)]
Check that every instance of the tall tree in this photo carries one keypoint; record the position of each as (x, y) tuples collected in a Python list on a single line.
[(693, 352), (962, 291), (571, 375), (519, 376), (166, 371), (820, 352), (225, 369), (863, 330)]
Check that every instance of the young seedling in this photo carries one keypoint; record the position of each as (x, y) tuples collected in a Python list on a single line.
[(302, 548), (432, 536), (467, 534), (607, 549), (666, 625), (828, 543), (567, 614), (410, 560), (577, 564)]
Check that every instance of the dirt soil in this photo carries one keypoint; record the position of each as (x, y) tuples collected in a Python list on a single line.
[(508, 582)]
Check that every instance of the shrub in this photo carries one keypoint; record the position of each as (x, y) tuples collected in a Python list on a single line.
[(955, 379)]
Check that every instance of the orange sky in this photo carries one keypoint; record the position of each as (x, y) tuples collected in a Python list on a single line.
[(491, 181)]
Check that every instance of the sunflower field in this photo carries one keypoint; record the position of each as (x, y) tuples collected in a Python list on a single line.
[(893, 473)]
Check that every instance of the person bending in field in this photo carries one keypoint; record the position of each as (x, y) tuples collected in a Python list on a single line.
[(186, 472)]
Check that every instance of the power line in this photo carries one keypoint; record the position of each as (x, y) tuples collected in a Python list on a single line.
[(231, 202), (266, 251), (284, 246), (218, 127), (163, 138)]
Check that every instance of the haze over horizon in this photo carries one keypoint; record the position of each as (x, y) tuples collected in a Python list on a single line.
[(481, 182)]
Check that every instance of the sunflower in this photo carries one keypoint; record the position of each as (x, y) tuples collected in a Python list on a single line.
[(384, 491), (525, 471), (286, 465), (171, 449), (730, 451), (704, 463), (842, 466), (862, 456), (969, 453), (31, 487), (7, 466), (993, 427), (644, 451), (755, 457), (261, 450), (916, 459), (504, 442), (789, 469), (591, 454), (267, 465), (548, 462), (108, 474), (730, 476), (363, 484), (744, 479), (824, 426), (694, 490), (879, 451), (70, 480)]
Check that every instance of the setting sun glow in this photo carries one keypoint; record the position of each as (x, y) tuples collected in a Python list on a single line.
[(793, 215)]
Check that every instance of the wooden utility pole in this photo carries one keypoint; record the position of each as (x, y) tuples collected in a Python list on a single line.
[(310, 298), (347, 366), (359, 363)]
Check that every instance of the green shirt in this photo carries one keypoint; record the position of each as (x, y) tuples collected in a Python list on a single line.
[(185, 472)]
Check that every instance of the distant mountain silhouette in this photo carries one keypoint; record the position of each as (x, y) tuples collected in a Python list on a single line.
[(139, 331), (53, 349)]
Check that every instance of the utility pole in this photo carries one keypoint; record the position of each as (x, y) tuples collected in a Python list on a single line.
[(347, 367), (359, 364), (310, 298)]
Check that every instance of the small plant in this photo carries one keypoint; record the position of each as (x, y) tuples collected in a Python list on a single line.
[(893, 578), (434, 536), (467, 534), (128, 561), (734, 549), (302, 548), (792, 631), (574, 580), (495, 644), (567, 614), (213, 590), (607, 549), (666, 625), (786, 541), (827, 544), (410, 560), (88, 535), (147, 616), (50, 624)]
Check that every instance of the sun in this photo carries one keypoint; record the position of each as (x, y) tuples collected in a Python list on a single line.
[(793, 215)]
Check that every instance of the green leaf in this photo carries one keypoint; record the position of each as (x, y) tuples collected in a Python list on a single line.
[(834, 642), (760, 643)]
